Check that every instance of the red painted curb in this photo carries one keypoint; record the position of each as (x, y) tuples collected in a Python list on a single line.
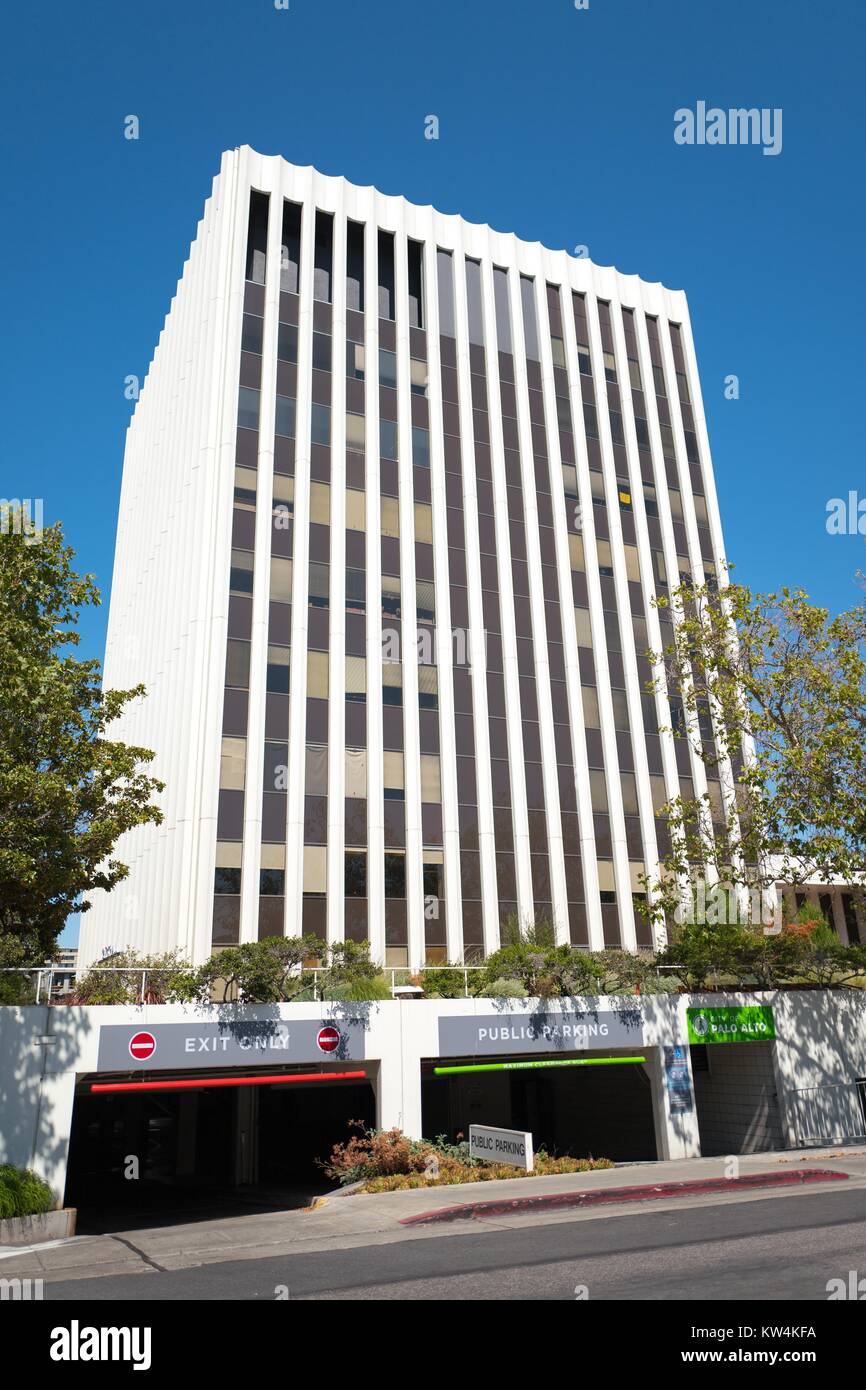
[(612, 1195)]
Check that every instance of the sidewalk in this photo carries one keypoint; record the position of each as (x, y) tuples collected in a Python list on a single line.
[(341, 1222)]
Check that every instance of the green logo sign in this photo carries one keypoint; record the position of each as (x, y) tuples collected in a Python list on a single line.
[(752, 1023)]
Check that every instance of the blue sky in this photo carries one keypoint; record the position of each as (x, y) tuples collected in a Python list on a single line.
[(554, 123)]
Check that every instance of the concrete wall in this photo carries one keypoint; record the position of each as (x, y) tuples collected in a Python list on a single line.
[(738, 1108), (820, 1050)]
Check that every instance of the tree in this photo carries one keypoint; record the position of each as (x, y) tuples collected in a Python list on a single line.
[(352, 974), (736, 955), (271, 971), (545, 971), (775, 690), (67, 792), (135, 979)]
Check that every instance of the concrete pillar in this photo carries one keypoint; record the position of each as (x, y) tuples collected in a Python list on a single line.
[(50, 1152), (677, 1132), (398, 1092), (246, 1135)]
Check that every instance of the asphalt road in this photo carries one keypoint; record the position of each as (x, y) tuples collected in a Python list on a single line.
[(770, 1249)]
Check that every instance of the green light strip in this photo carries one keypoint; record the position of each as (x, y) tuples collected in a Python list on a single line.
[(526, 1066)]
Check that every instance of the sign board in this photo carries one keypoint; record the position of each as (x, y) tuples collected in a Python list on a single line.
[(227, 1044), (511, 1146), (471, 1035), (142, 1046), (678, 1081), (751, 1023)]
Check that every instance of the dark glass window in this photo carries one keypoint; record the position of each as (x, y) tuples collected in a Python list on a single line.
[(474, 302), (272, 882), (530, 322), (355, 266), (290, 251), (415, 255), (251, 333), (257, 237), (386, 275), (322, 352), (387, 367), (445, 280), (395, 875), (227, 881), (356, 874), (241, 572), (287, 342), (284, 417), (388, 439), (248, 408), (320, 424), (420, 447), (323, 258)]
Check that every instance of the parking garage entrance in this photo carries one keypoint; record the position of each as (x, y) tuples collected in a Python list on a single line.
[(157, 1143), (578, 1082)]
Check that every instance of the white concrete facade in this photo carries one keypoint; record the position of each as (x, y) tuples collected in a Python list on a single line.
[(169, 617)]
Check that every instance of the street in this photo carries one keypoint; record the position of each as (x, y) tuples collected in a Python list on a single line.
[(776, 1248)]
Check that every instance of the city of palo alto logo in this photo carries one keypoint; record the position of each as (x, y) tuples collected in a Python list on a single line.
[(700, 1025)]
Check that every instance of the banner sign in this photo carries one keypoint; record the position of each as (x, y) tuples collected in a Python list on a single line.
[(471, 1035), (751, 1023), (125, 1047), (678, 1081)]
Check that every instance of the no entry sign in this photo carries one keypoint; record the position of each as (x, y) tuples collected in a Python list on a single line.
[(328, 1039), (142, 1046)]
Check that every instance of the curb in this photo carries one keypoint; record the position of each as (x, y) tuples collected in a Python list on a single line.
[(31, 1230), (616, 1195)]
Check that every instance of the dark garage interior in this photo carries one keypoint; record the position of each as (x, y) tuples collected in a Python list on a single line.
[(152, 1156), (598, 1112)]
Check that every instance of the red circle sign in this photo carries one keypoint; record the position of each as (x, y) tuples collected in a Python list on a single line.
[(142, 1046), (328, 1039)]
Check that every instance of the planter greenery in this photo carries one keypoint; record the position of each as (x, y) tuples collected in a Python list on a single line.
[(806, 953), (387, 1160), (22, 1193)]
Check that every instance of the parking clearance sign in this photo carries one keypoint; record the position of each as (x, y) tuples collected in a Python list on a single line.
[(751, 1023)]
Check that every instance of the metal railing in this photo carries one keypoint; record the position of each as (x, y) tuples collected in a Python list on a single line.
[(829, 1114), (45, 990)]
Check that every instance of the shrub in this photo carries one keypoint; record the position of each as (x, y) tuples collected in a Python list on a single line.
[(259, 972), (373, 987), (387, 1160), (372, 1153), (22, 1193), (169, 980), (504, 988), (352, 975), (446, 982)]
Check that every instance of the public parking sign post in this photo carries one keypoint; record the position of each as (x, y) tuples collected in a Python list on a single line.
[(511, 1146)]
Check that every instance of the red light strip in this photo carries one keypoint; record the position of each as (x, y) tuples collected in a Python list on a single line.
[(208, 1084)]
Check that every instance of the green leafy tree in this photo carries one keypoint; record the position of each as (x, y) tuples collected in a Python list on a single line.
[(272, 971), (135, 979), (352, 975), (67, 792), (546, 972), (775, 688)]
